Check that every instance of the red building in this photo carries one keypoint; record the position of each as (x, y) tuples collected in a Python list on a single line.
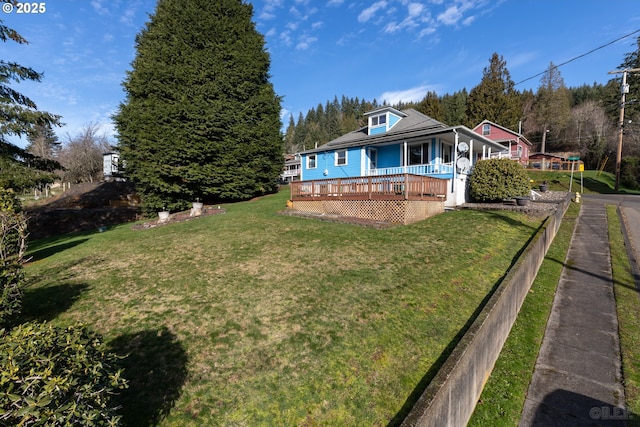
[(518, 146)]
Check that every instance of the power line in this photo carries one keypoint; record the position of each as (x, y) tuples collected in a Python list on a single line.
[(578, 57)]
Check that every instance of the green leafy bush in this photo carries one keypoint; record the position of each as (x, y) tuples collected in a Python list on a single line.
[(498, 179), (56, 377), (13, 236), (630, 172)]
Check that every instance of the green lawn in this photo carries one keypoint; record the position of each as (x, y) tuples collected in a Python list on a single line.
[(587, 182), (254, 318)]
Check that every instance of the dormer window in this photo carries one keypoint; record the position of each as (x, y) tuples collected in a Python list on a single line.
[(379, 120), (383, 120), (486, 129)]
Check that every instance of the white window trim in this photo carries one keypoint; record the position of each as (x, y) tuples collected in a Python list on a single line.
[(346, 158), (308, 161), (488, 131), (378, 124)]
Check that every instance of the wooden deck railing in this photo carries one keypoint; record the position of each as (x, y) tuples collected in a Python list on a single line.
[(383, 187)]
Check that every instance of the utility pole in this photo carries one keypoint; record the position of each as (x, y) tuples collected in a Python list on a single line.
[(625, 90), (544, 147)]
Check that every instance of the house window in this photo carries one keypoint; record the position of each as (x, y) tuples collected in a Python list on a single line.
[(415, 154), (486, 129), (341, 157), (446, 153), (373, 158), (311, 161), (418, 154), (379, 120)]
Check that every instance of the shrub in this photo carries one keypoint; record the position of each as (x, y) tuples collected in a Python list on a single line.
[(13, 235), (56, 376), (498, 179), (630, 172)]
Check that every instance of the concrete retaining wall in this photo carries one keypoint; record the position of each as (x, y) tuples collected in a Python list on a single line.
[(451, 397)]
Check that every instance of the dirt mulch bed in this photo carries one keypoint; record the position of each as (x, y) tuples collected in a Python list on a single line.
[(180, 217)]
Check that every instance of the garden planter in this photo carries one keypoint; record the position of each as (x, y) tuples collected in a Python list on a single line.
[(196, 209), (544, 188), (163, 215), (522, 201)]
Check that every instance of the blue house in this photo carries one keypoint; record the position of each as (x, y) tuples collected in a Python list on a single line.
[(398, 143)]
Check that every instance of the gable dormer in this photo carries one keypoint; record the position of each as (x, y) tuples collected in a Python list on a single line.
[(382, 120)]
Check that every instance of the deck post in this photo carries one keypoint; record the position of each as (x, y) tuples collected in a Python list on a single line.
[(406, 186)]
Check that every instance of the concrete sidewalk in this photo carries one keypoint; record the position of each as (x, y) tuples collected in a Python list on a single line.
[(577, 379)]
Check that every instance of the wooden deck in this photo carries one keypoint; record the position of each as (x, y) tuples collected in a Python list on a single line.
[(383, 187)]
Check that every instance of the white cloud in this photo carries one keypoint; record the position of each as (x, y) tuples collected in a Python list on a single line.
[(317, 25), (266, 16), (468, 21), (451, 16), (305, 42), (59, 93), (427, 31), (99, 8), (369, 12), (128, 16), (269, 9), (285, 36), (271, 32), (335, 2), (415, 9), (413, 94)]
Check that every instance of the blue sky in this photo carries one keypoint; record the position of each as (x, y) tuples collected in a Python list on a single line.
[(385, 50)]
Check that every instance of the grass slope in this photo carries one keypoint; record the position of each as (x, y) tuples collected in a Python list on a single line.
[(253, 318)]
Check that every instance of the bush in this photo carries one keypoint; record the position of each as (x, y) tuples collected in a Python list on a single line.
[(498, 179), (54, 377), (13, 236), (630, 172)]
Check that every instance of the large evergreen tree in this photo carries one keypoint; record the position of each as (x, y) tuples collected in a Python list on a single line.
[(553, 106), (494, 98), (201, 119)]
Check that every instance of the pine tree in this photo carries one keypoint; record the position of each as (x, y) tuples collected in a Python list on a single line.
[(290, 146), (201, 119), (455, 107), (495, 98), (431, 106), (43, 142), (553, 105)]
